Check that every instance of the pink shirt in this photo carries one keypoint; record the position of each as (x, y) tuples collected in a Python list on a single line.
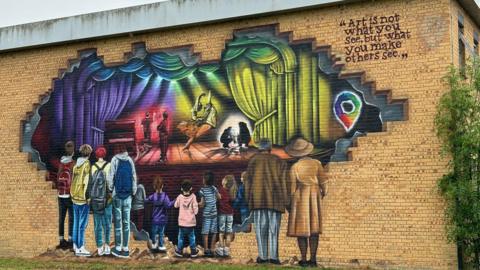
[(188, 208)]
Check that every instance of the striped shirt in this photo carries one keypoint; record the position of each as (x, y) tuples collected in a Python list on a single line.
[(209, 195)]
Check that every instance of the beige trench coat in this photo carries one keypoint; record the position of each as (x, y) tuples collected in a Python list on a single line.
[(307, 183)]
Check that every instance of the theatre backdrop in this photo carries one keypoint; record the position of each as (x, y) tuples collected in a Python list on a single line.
[(280, 90), (208, 114)]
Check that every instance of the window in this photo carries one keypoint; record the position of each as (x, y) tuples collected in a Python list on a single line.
[(475, 44), (461, 43)]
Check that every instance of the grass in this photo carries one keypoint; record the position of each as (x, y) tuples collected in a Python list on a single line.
[(42, 263)]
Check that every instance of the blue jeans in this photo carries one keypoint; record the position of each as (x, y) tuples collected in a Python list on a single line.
[(186, 231), (121, 216), (80, 222), (160, 231), (102, 223)]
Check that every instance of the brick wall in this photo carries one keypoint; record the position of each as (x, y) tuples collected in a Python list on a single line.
[(382, 206), (469, 28)]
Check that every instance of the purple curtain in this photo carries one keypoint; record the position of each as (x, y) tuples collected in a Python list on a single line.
[(108, 99), (83, 102), (92, 93)]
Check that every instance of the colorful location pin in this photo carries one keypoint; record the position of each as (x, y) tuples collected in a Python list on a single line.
[(347, 108)]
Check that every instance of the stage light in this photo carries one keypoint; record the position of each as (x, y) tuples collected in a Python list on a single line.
[(219, 84)]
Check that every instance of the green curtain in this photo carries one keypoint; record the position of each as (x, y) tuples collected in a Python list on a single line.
[(240, 44), (252, 91), (209, 68), (313, 99), (260, 72), (170, 67)]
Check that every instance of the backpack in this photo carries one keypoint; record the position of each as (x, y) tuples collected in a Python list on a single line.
[(78, 188), (123, 179), (139, 198), (64, 179), (98, 191)]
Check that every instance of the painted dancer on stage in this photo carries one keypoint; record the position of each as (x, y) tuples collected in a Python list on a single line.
[(204, 118)]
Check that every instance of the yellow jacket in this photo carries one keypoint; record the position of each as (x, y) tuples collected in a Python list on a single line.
[(81, 177)]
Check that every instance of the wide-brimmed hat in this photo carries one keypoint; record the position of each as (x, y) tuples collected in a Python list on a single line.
[(299, 147)]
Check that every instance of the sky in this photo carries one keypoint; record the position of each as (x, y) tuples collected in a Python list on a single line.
[(14, 12)]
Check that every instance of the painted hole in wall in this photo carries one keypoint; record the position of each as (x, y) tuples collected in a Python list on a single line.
[(177, 117)]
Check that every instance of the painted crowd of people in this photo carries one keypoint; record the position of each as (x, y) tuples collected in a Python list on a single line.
[(105, 188), (266, 190)]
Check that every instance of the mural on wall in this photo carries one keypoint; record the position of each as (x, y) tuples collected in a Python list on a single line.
[(169, 109)]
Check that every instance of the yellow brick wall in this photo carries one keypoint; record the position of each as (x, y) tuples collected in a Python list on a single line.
[(382, 207)]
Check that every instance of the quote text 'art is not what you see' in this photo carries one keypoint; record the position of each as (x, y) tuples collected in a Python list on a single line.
[(374, 38)]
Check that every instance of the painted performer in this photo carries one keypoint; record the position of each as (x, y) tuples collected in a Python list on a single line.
[(204, 118), (163, 137), (146, 122), (307, 189)]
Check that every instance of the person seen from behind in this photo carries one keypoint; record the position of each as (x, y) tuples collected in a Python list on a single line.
[(240, 204), (187, 204), (64, 182), (161, 203), (122, 181), (101, 202), (227, 192), (80, 196), (267, 198), (208, 201)]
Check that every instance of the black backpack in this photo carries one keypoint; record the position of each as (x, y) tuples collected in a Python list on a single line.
[(98, 192)]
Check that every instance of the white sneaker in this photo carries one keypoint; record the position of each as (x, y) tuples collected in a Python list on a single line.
[(82, 252), (155, 246), (162, 248), (100, 251), (226, 252), (219, 251), (125, 253), (106, 249)]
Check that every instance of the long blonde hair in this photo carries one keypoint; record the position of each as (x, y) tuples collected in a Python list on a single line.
[(231, 185)]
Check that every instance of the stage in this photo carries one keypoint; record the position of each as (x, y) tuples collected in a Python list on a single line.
[(200, 153)]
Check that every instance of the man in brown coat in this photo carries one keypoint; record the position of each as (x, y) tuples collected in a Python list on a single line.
[(266, 196)]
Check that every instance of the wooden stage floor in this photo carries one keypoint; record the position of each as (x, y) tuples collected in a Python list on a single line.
[(200, 153)]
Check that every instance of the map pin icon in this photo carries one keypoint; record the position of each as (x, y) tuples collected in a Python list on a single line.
[(347, 108)]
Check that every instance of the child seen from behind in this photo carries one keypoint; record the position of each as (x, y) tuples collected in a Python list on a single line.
[(227, 192), (188, 208), (208, 200), (80, 197), (240, 203), (101, 202), (161, 203)]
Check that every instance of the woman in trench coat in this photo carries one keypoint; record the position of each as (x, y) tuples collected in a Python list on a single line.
[(307, 189)]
